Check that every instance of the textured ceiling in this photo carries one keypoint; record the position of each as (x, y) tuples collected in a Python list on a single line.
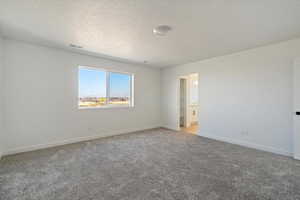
[(122, 29)]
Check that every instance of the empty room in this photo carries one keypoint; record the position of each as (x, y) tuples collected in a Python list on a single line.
[(149, 100)]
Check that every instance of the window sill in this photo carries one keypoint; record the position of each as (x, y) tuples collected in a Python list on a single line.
[(106, 107)]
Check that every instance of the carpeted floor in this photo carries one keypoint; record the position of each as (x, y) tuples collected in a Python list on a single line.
[(154, 164)]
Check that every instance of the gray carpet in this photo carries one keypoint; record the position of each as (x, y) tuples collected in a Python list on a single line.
[(153, 164)]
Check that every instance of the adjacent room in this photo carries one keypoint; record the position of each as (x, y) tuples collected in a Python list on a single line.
[(189, 108), (144, 100)]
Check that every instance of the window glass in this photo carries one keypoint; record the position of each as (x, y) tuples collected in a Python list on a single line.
[(120, 87), (92, 88), (100, 88)]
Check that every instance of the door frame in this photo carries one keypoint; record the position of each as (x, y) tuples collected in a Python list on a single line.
[(178, 97), (186, 100), (296, 136)]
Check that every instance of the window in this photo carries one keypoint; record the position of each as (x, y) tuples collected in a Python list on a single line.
[(101, 88)]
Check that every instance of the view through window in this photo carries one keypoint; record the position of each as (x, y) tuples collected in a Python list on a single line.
[(99, 88)]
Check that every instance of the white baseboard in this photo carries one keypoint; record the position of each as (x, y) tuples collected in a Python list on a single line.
[(247, 144), (73, 140), (171, 128), (119, 132), (296, 157)]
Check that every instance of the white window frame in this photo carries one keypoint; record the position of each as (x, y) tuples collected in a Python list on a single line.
[(107, 73)]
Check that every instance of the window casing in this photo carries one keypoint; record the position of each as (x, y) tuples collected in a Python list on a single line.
[(100, 88)]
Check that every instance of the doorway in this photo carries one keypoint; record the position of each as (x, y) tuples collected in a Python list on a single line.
[(189, 106), (296, 109)]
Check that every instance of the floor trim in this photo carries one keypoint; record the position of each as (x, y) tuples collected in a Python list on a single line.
[(71, 141), (296, 157), (246, 144), (170, 128)]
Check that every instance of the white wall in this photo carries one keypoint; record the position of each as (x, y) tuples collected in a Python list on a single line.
[(41, 98), (2, 132), (244, 98)]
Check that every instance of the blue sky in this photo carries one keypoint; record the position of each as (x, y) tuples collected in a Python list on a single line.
[(92, 83)]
